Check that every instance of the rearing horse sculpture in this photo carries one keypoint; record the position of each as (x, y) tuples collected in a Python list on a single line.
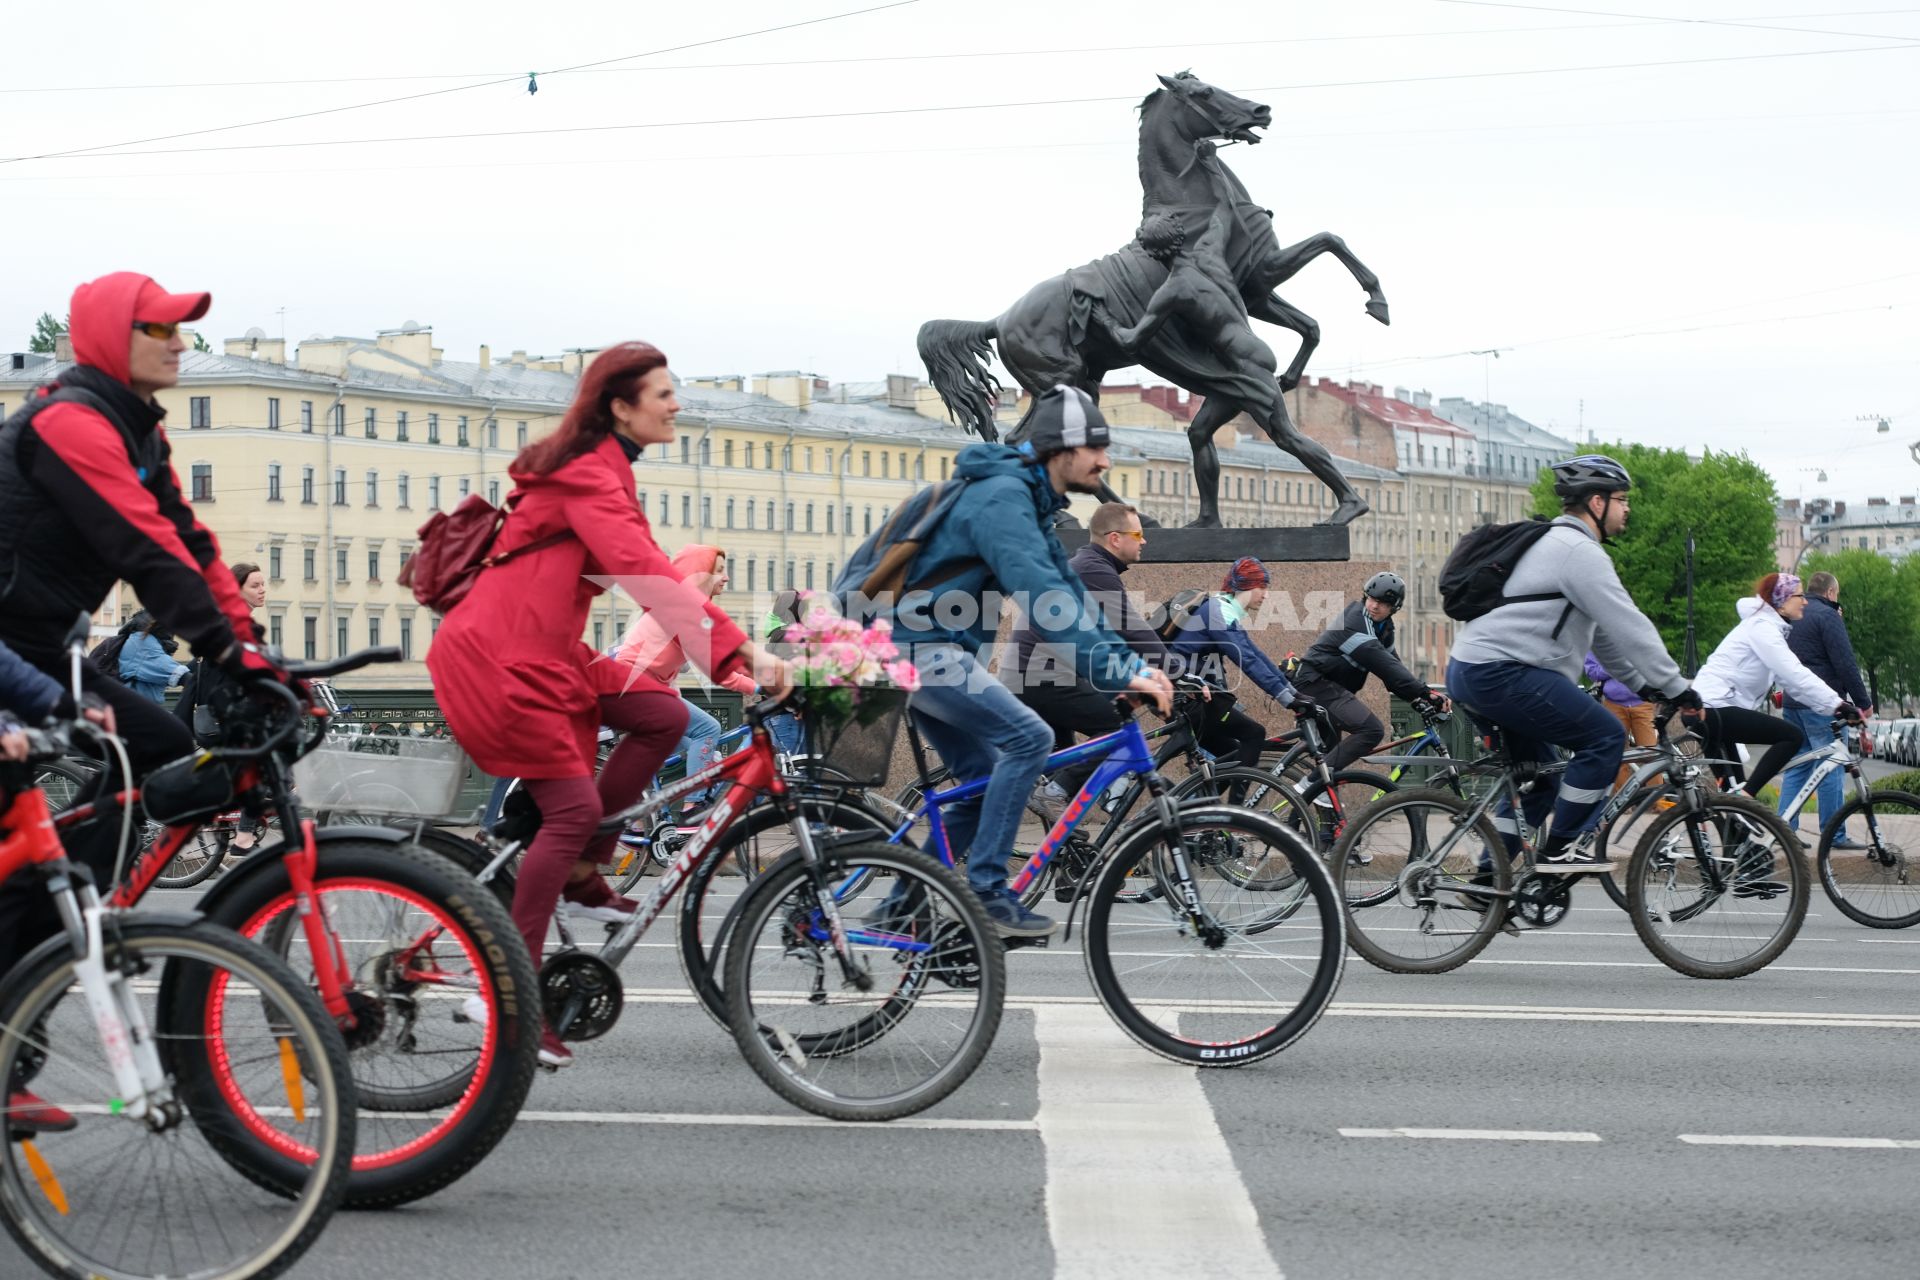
[(1062, 331)]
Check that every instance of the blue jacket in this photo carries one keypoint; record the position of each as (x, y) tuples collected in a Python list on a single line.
[(999, 537), (26, 691), (1819, 640), (147, 668), (1206, 633)]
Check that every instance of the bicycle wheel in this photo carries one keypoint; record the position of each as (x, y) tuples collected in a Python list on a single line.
[(242, 1168), (1723, 899), (1626, 831), (447, 1017), (868, 1045), (1877, 885), (757, 839), (1404, 866), (197, 859), (62, 782), (1334, 808)]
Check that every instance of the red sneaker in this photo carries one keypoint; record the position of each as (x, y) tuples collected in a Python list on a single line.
[(554, 1053), (28, 1115)]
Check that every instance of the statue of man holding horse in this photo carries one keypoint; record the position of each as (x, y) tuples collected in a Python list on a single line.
[(1076, 327)]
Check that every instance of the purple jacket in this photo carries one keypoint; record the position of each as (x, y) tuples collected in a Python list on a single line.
[(1612, 689)]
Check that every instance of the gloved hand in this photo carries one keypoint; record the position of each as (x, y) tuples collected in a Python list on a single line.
[(249, 663), (1302, 706), (1850, 713), (1688, 699)]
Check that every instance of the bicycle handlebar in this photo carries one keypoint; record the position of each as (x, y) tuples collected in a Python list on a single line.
[(340, 666)]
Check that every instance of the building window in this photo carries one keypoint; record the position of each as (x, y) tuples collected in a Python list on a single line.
[(520, 434), (809, 517), (373, 565), (829, 517), (309, 572), (273, 482), (809, 575), (400, 424), (466, 486), (275, 636), (706, 511), (789, 520), (885, 473), (373, 488), (869, 521), (310, 633), (372, 424), (433, 493), (203, 482), (340, 564), (400, 491), (944, 464), (729, 513), (273, 564), (493, 434), (769, 455), (493, 492), (273, 413), (706, 452), (686, 449), (406, 639), (406, 554), (339, 419), (750, 513), (919, 466), (773, 582), (726, 453), (686, 510), (846, 513), (866, 462), (339, 637), (460, 432), (306, 416), (373, 631), (789, 575), (809, 454), (751, 566), (200, 412), (666, 510), (433, 428)]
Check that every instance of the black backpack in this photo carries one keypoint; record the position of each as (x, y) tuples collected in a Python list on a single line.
[(106, 655), (1169, 619), (1473, 581)]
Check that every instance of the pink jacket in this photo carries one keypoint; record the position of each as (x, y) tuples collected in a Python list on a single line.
[(647, 646)]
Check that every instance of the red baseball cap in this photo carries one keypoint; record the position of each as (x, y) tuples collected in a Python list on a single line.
[(155, 305)]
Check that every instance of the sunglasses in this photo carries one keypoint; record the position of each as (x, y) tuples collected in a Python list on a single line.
[(1135, 534), (157, 331)]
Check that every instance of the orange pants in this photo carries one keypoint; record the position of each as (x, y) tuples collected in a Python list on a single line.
[(1638, 722)]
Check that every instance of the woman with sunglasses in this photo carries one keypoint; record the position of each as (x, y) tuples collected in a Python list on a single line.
[(1754, 656)]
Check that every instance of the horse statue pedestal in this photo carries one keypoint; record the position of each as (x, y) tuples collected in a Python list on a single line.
[(1313, 542)]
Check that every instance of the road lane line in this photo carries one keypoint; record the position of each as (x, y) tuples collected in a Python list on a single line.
[(1140, 1181), (1769, 1140), (719, 1119), (1477, 1135)]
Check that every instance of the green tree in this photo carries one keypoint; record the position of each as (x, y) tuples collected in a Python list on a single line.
[(45, 330), (1724, 500), (1881, 604)]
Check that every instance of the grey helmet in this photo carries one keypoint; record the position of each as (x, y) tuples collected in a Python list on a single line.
[(1589, 473), (1387, 587)]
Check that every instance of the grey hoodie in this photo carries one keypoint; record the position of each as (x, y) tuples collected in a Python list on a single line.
[(1599, 615)]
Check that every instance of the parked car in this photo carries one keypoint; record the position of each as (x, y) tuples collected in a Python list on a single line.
[(1906, 749)]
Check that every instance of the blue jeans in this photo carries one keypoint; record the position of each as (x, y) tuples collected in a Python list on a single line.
[(1817, 729), (785, 732), (979, 730), (1554, 712), (700, 745)]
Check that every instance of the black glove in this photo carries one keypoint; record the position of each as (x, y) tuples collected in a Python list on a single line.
[(1427, 708), (1848, 712), (250, 663), (1688, 699), (1302, 706)]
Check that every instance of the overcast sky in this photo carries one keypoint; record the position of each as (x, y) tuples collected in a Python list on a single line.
[(1718, 251)]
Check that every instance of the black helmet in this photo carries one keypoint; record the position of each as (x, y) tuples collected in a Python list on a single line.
[(1386, 587), (1588, 474), (1059, 419)]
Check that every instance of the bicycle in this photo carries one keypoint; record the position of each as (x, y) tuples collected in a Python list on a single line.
[(1438, 887), (1222, 876), (392, 936), (1876, 884), (845, 1047), (173, 1063)]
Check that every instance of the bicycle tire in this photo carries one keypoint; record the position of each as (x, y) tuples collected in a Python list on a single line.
[(703, 925), (62, 782), (1664, 890), (1415, 900), (1355, 789), (208, 845), (1613, 881), (398, 1160), (213, 985), (1146, 924), (937, 912), (1878, 886)]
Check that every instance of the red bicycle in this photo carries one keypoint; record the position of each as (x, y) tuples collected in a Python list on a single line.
[(421, 968)]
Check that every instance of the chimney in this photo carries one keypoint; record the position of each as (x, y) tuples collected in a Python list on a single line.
[(791, 388), (900, 388), (518, 358), (486, 356), (63, 346)]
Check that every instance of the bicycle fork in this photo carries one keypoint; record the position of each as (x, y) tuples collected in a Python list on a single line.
[(125, 1038)]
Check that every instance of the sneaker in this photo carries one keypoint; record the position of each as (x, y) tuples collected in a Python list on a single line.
[(475, 1010), (29, 1114), (1013, 920), (1570, 861), (616, 910), (1845, 842), (554, 1053)]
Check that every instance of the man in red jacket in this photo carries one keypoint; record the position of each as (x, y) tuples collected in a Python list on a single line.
[(88, 497)]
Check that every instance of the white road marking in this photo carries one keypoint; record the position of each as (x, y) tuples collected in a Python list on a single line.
[(1140, 1181), (703, 1118), (1764, 1140), (1479, 1135)]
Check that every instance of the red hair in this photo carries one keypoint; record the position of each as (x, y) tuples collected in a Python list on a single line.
[(1766, 586), (615, 374)]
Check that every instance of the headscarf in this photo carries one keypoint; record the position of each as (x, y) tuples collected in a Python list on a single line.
[(1784, 589), (1246, 574)]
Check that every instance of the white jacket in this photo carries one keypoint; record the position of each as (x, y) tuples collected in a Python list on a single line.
[(1753, 657)]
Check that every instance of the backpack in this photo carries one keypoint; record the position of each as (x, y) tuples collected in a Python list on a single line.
[(1474, 578), (106, 655), (1169, 619), (453, 550), (881, 568)]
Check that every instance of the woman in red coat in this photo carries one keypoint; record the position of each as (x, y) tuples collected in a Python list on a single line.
[(521, 690)]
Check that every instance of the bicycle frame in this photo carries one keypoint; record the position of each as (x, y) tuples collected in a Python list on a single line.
[(1835, 755)]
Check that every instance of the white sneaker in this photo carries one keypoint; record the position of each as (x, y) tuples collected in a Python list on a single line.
[(475, 1010), (608, 914)]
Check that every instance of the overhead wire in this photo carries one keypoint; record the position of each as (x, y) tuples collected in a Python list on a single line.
[(1738, 23)]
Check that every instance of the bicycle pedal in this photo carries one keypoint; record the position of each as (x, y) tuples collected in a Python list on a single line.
[(1016, 943), (1511, 929)]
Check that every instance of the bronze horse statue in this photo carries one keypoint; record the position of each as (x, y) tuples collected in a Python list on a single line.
[(1062, 331)]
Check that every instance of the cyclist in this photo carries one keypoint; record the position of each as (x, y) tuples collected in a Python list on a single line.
[(1211, 635), (997, 537), (1819, 639), (1515, 667), (1338, 663), (1049, 682), (88, 497)]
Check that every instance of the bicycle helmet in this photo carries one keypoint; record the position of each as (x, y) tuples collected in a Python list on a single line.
[(1589, 473), (1386, 587)]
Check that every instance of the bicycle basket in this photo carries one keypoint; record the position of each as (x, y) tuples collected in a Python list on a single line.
[(850, 732), (374, 773)]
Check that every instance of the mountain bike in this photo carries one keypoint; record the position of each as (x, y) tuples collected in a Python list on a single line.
[(420, 968), (1701, 887), (158, 1066), (1877, 883)]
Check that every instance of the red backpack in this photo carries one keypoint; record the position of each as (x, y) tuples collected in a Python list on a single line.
[(453, 550)]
